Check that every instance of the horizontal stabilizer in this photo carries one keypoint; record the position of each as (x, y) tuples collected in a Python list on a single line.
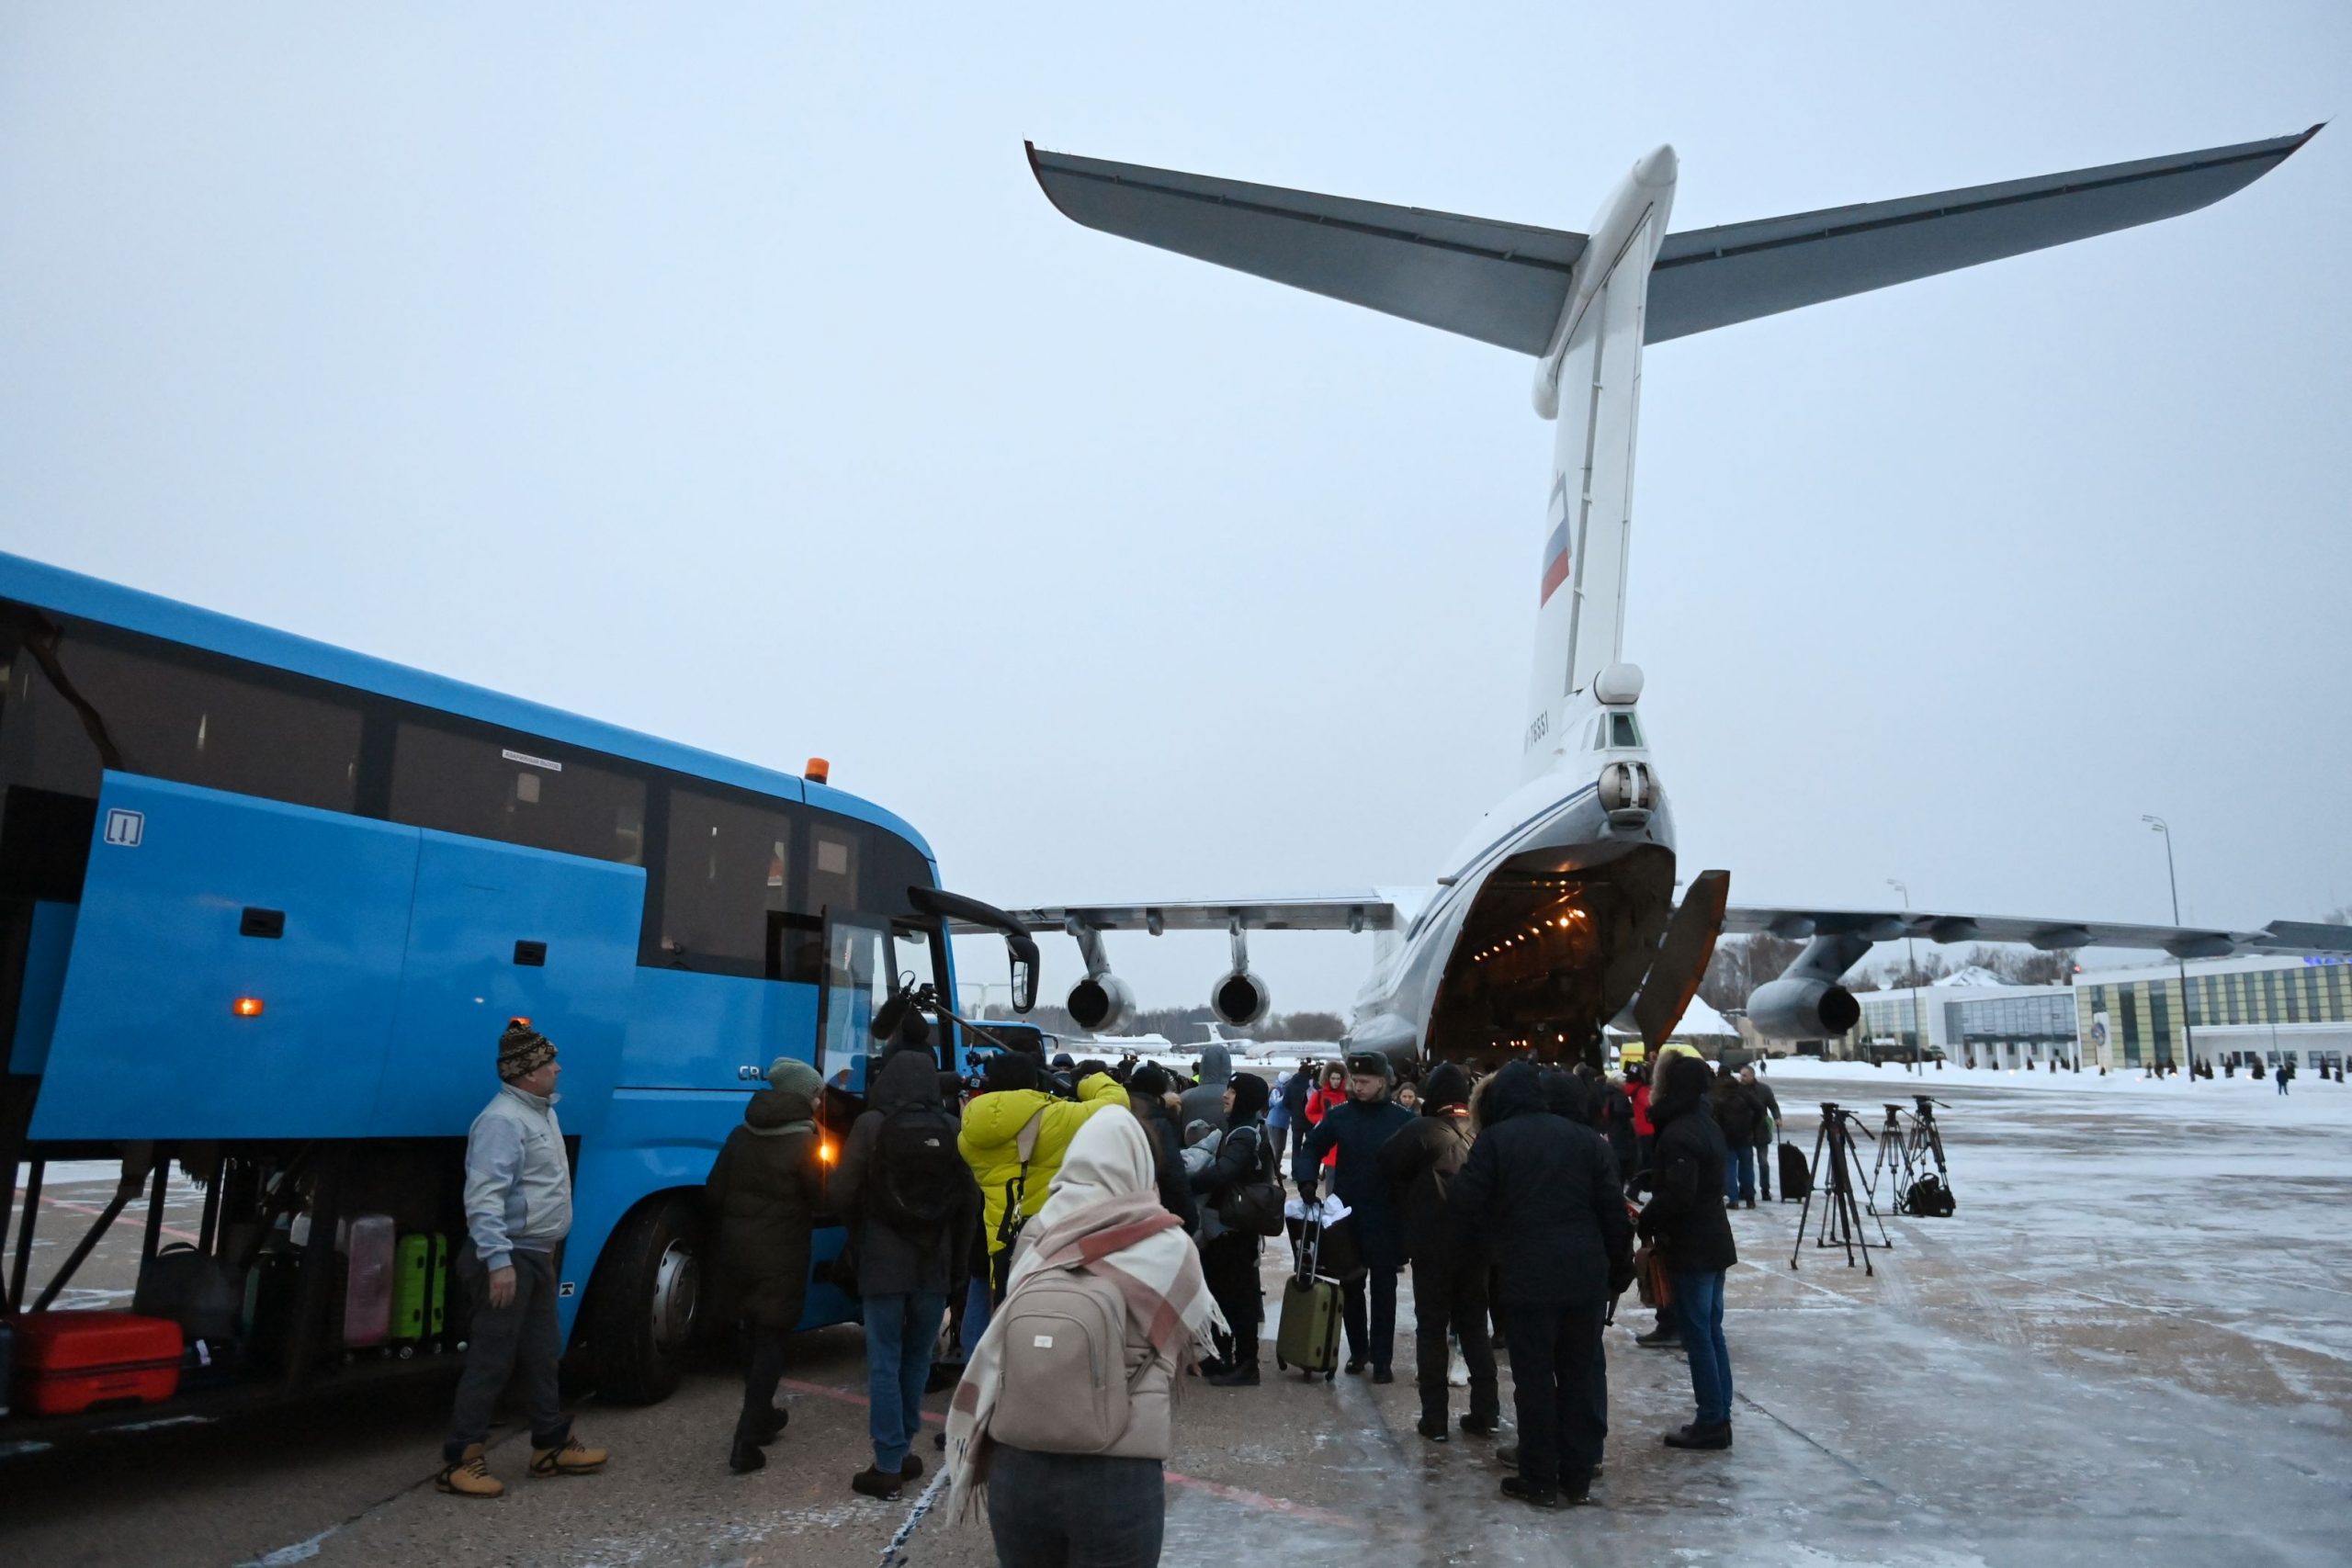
[(1500, 283), (1712, 277)]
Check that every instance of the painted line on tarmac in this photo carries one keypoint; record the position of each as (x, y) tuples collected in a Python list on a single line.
[(1218, 1489), (172, 1231)]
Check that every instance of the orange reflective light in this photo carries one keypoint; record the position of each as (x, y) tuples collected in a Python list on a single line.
[(818, 770), (825, 1151), (246, 1007), (518, 1023)]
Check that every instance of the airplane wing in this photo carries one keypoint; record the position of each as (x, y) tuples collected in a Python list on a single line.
[(2181, 942), (1505, 283), (1368, 909)]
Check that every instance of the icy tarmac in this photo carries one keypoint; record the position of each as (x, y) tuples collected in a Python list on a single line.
[(2132, 1345)]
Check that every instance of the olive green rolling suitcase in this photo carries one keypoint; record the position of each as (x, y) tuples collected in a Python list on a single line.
[(1308, 1337)]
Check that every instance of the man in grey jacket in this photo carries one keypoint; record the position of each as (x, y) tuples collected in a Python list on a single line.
[(518, 1209)]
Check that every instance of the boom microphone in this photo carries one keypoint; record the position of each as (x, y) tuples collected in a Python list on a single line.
[(887, 1017)]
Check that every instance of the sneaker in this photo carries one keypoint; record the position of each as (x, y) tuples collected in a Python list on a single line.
[(910, 1467), (1519, 1491), (1433, 1428), (573, 1458), (470, 1477), (1480, 1426), (1666, 1337), (1457, 1371), (1382, 1374), (1694, 1436), (1241, 1375), (872, 1482)]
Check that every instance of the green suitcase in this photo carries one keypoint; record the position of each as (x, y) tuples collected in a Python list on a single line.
[(420, 1291), (1308, 1338)]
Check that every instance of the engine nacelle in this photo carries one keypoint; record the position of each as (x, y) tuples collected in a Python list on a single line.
[(1101, 1004), (1239, 999), (1802, 1010)]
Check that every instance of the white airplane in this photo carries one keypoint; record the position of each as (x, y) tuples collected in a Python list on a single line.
[(1557, 909)]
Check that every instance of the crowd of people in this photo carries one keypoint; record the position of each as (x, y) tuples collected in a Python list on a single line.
[(1067, 1242)]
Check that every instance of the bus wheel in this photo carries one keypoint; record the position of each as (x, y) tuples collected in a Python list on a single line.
[(643, 1314)]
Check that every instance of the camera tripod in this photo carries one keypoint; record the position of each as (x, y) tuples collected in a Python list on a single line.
[(1835, 1164), (1908, 1141)]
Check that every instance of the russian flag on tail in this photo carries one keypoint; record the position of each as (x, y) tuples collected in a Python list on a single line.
[(1555, 562)]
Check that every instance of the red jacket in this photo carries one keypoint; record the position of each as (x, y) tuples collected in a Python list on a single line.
[(1319, 1100), (1640, 1095)]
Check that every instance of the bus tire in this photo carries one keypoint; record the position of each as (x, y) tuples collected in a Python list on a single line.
[(641, 1311)]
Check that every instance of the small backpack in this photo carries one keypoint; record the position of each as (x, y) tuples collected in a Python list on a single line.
[(1065, 1388), (920, 1175)]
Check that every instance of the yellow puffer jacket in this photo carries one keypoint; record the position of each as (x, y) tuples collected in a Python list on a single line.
[(990, 1140)]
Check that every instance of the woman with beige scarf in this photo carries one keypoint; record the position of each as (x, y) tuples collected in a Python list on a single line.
[(1102, 1229)]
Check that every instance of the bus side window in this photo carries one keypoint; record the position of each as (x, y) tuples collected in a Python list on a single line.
[(513, 789), (170, 713), (727, 904)]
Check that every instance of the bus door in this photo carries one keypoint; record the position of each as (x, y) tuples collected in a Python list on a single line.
[(853, 983)]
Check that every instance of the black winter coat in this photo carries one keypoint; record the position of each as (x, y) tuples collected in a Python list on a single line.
[(1739, 1112), (1420, 1161), (1358, 1131), (890, 1261), (1542, 1194), (763, 1193), (1613, 1113), (1685, 1215)]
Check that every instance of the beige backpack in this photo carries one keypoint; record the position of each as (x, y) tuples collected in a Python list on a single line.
[(1066, 1387)]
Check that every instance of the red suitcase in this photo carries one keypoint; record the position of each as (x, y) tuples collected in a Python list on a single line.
[(68, 1361)]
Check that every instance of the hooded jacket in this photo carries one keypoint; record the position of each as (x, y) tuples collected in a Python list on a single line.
[(1421, 1160), (991, 1142), (1206, 1102), (1170, 1179), (1738, 1110), (891, 1261), (1540, 1193), (1685, 1215), (763, 1192), (1244, 1156)]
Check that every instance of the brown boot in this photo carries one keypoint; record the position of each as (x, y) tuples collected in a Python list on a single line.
[(470, 1477), (574, 1458)]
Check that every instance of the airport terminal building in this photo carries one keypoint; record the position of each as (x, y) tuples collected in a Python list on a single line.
[(2238, 1011), (1984, 1025)]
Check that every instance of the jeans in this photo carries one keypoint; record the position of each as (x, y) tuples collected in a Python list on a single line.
[(979, 1307), (1452, 1294), (519, 1338), (1766, 1154), (1378, 1346), (899, 1334), (1739, 1174), (1698, 1311), (1075, 1510), (1554, 1352)]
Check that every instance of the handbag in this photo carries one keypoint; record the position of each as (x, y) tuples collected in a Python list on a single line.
[(1254, 1206), (1650, 1279)]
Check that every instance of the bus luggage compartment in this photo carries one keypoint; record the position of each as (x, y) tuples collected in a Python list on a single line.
[(242, 968)]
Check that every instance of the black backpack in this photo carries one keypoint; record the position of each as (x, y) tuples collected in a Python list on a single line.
[(920, 1178)]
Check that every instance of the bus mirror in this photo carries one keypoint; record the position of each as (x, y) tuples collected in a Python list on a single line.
[(1023, 950)]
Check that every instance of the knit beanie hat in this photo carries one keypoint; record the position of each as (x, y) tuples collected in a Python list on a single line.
[(1447, 1086), (1250, 1095), (792, 1073), (522, 1051), (1149, 1079)]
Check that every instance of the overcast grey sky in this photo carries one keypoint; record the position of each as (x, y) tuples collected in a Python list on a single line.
[(720, 371)]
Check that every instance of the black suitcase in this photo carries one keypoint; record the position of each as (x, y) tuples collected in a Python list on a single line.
[(1796, 1181)]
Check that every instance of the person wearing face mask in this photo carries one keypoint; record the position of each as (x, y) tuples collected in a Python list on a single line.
[(1353, 1133)]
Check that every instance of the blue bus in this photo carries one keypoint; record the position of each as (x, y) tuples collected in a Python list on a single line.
[(265, 906)]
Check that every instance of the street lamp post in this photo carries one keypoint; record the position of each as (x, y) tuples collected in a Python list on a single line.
[(1918, 1039), (2187, 1040)]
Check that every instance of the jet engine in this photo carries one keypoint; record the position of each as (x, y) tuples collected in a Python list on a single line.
[(1802, 1010), (1101, 1004), (1240, 998)]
